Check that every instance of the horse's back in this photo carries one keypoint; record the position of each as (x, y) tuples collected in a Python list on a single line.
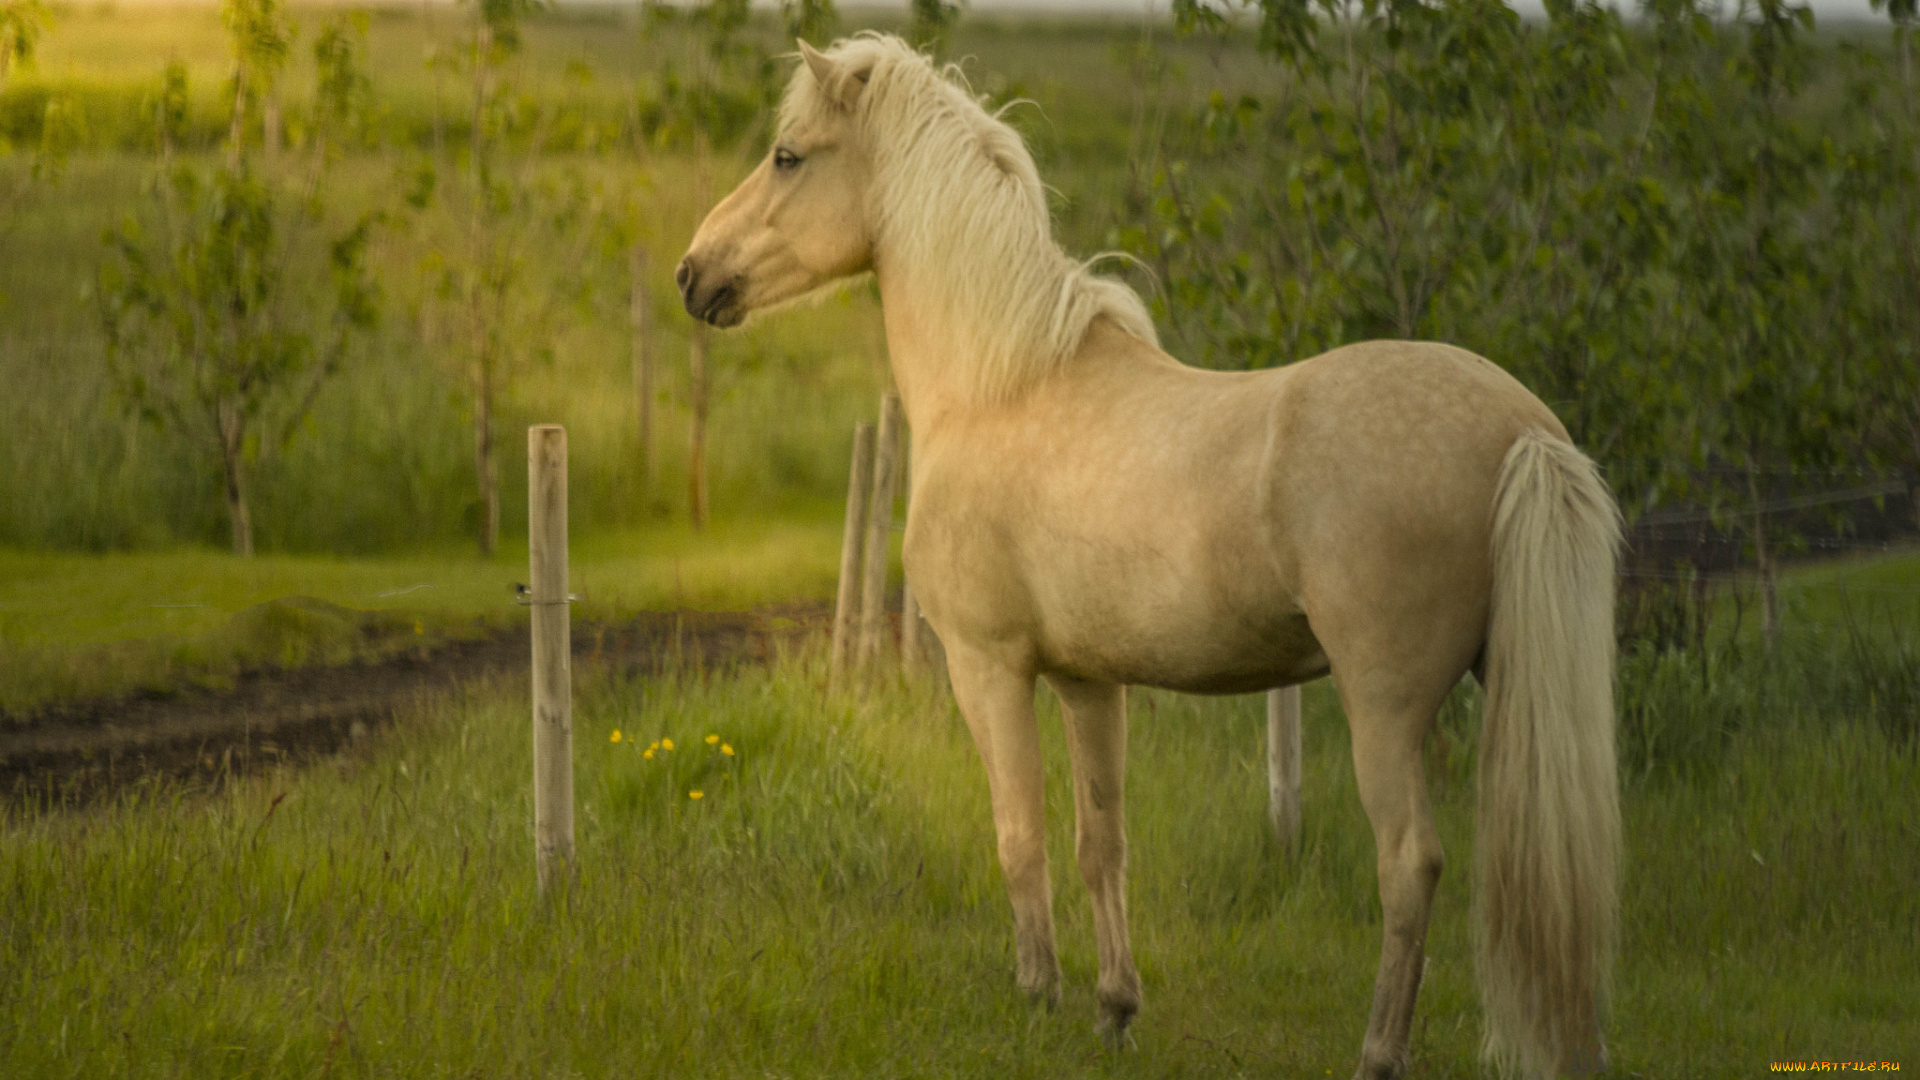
[(1392, 457)]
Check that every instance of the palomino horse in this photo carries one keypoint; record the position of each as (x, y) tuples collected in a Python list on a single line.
[(1087, 510)]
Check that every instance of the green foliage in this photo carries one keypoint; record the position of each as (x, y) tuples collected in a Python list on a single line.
[(809, 20), (343, 92), (261, 40), (21, 24), (209, 330), (718, 81), (1666, 230), (208, 333), (932, 23)]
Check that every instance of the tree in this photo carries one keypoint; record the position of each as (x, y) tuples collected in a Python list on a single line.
[(1428, 170), (716, 103), (227, 323), (1889, 182), (508, 211)]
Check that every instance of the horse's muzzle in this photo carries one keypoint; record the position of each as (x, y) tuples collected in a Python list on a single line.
[(716, 302)]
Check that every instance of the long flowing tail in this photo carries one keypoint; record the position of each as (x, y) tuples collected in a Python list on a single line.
[(1548, 832)]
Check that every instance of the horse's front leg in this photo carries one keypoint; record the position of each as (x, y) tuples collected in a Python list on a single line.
[(996, 698), (1096, 720)]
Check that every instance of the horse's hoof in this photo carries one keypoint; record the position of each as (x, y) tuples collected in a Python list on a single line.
[(1119, 1000), (1115, 1034), (1380, 1070)]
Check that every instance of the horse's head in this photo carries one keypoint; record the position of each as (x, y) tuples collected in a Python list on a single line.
[(799, 221)]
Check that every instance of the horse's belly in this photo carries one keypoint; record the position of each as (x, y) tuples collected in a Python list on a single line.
[(1187, 646)]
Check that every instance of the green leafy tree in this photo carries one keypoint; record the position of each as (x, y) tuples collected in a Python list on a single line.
[(505, 212), (1766, 382), (227, 315), (1889, 184), (1429, 170)]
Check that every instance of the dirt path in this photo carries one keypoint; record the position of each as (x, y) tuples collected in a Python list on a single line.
[(75, 752)]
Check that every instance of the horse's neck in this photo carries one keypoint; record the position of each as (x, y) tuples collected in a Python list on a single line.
[(931, 381)]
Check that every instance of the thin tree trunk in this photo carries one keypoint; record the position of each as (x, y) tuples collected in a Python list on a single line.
[(1913, 484), (433, 43), (697, 380), (476, 136), (232, 445), (237, 124), (483, 465), (1769, 585), (269, 128), (697, 449), (640, 318)]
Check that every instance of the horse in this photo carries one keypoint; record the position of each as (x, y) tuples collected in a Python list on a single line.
[(1087, 510)]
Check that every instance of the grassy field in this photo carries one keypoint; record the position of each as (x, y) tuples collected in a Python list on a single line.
[(78, 625), (829, 904), (822, 900)]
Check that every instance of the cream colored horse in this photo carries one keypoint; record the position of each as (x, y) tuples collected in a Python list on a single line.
[(1087, 510)]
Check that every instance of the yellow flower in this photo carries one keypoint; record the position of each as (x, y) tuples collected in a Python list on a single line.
[(666, 744), (696, 794), (615, 737), (727, 750), (711, 739), (419, 627), (648, 753), (655, 746)]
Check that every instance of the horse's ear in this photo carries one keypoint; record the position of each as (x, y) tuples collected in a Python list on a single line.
[(840, 83)]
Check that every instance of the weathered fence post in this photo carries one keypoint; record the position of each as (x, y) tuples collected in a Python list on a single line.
[(852, 537), (552, 659), (873, 589), (1283, 766)]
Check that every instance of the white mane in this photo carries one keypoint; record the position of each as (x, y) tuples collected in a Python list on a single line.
[(960, 212)]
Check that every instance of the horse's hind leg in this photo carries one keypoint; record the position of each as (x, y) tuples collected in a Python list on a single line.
[(997, 701), (1096, 720), (1393, 789)]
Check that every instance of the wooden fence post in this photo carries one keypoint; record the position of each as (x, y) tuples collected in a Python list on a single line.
[(852, 537), (1283, 766), (873, 588), (552, 653)]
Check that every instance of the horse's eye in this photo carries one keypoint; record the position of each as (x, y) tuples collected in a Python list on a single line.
[(784, 159)]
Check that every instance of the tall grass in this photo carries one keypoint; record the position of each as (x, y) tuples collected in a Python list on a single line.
[(830, 905)]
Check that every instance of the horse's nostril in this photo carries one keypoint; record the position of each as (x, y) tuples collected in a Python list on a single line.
[(683, 275)]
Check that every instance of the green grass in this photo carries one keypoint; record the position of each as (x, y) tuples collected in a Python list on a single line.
[(76, 625), (831, 905), (1831, 595)]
